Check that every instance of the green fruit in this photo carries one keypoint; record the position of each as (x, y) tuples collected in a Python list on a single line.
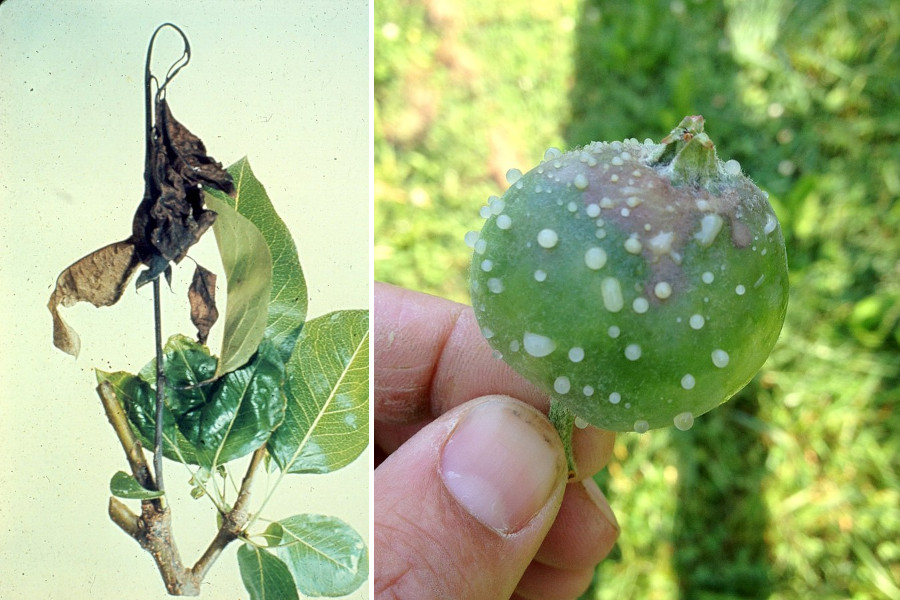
[(639, 284)]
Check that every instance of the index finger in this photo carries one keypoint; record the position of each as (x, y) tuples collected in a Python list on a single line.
[(430, 356)]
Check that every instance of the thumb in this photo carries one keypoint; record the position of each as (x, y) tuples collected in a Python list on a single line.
[(462, 507)]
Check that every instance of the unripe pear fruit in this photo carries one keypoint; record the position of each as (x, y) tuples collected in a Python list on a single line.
[(639, 284)]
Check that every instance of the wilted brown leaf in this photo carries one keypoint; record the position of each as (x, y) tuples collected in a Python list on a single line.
[(202, 296), (169, 220), (98, 278), (171, 217)]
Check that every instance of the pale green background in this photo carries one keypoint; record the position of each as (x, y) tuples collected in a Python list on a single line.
[(285, 83)]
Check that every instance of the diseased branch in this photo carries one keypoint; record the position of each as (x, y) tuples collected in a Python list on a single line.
[(234, 521), (122, 516), (156, 537), (153, 528), (132, 446)]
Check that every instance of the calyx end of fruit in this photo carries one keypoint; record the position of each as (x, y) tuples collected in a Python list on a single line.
[(691, 153)]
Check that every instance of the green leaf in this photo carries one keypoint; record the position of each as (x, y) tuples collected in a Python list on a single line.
[(198, 482), (231, 416), (327, 421), (205, 422), (123, 485), (189, 370), (326, 556), (248, 270), (287, 302), (265, 576), (138, 399)]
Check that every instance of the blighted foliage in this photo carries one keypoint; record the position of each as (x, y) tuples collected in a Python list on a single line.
[(99, 278), (171, 217), (205, 411), (202, 297), (169, 220)]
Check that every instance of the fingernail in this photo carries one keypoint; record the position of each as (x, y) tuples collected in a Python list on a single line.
[(502, 463), (600, 501)]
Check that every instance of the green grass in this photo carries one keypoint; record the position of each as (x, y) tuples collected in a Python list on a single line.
[(790, 490)]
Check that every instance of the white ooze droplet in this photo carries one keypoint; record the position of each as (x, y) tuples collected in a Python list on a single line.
[(632, 352), (710, 225), (611, 292), (683, 421), (595, 258), (633, 245), (580, 181), (732, 167), (771, 224), (720, 358), (547, 238), (661, 243), (640, 305), (662, 290), (537, 345)]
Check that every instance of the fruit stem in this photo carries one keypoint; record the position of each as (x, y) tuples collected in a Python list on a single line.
[(564, 422), (691, 153)]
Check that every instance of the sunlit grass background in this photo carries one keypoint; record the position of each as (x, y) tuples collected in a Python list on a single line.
[(791, 490)]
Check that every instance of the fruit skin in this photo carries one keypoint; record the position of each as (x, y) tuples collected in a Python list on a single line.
[(633, 282)]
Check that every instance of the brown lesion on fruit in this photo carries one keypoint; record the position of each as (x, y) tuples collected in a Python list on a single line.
[(740, 233), (637, 198)]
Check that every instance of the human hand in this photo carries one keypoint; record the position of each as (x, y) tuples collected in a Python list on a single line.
[(471, 499)]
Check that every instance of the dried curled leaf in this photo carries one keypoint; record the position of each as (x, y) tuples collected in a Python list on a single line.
[(202, 296), (169, 220), (98, 278), (171, 217)]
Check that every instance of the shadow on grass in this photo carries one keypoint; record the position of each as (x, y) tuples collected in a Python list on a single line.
[(639, 68), (721, 519)]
